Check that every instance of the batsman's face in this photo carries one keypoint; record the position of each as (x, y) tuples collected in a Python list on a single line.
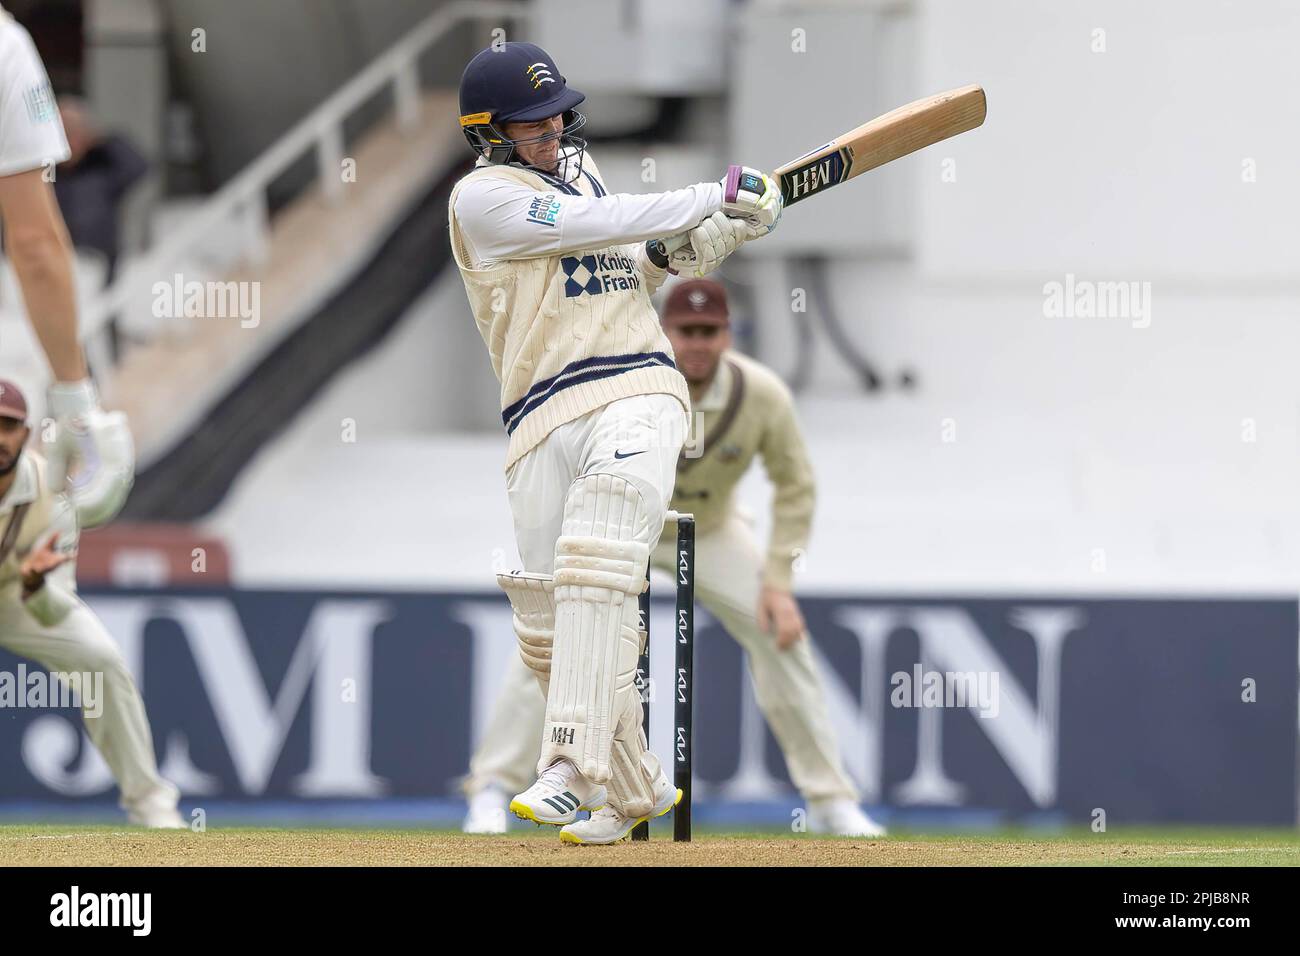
[(698, 348), (545, 154), (13, 436)]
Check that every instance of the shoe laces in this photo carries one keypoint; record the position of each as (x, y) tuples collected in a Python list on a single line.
[(557, 775)]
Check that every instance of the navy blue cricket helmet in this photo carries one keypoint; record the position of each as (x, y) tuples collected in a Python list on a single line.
[(517, 82)]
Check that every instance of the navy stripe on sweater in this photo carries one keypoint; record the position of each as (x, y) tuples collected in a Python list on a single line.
[(576, 373)]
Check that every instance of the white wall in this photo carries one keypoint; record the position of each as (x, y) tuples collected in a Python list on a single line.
[(655, 47), (804, 73), (1128, 162), (1083, 458)]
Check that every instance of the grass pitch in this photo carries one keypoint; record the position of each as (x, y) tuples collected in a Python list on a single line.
[(72, 845)]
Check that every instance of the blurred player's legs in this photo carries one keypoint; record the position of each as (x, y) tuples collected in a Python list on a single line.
[(786, 683), (506, 757), (614, 470), (79, 643)]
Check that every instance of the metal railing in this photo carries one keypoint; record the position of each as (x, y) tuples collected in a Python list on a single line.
[(243, 201)]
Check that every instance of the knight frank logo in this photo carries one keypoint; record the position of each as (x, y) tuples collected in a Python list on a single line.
[(599, 272)]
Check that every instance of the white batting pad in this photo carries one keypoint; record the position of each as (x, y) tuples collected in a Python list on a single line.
[(532, 596), (600, 567), (633, 767)]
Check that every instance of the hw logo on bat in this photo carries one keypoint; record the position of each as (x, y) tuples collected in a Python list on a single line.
[(814, 176)]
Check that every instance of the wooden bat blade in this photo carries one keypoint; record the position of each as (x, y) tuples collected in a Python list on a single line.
[(882, 140)]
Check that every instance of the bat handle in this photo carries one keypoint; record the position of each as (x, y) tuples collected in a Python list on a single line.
[(731, 184)]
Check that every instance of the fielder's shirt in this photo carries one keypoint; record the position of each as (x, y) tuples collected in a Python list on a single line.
[(748, 412), (29, 513), (31, 133)]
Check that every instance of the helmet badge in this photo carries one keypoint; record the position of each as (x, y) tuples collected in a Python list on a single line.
[(539, 73)]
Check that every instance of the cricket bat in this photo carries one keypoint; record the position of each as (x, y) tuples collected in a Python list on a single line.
[(883, 140)]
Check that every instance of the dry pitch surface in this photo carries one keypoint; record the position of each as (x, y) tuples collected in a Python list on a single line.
[(119, 846)]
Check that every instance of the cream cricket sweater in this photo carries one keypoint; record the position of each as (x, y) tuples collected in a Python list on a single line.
[(29, 514), (560, 290)]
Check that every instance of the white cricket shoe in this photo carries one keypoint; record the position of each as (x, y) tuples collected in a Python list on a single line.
[(840, 816), (557, 796), (607, 825), (487, 811), (156, 813)]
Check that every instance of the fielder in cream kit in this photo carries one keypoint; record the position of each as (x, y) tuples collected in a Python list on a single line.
[(744, 412), (42, 619), (559, 273)]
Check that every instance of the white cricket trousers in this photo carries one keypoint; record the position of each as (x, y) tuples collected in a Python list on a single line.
[(787, 686), (538, 483), (80, 643), (638, 439)]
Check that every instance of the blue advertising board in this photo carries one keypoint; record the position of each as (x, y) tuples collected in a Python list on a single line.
[(1153, 710)]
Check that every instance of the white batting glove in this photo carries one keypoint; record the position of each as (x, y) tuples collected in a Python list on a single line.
[(708, 244), (754, 196), (97, 444)]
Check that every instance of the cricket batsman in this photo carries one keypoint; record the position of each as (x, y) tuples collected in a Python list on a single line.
[(94, 443), (559, 273), (743, 411), (42, 619)]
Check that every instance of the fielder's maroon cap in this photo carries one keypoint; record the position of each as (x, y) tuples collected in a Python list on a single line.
[(697, 302), (12, 403)]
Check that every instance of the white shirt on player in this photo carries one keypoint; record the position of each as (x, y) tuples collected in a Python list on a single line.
[(503, 219), (31, 133)]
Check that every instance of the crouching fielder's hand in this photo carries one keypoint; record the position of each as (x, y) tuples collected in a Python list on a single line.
[(43, 559), (95, 446)]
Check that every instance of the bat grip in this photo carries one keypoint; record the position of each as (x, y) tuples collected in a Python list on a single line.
[(731, 185)]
